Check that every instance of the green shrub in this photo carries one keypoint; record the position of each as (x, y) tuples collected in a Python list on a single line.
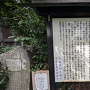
[(4, 49), (4, 77)]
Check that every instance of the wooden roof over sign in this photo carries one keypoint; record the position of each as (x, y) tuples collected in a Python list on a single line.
[(60, 1), (61, 7)]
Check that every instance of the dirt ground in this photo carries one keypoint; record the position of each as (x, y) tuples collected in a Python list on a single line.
[(76, 86)]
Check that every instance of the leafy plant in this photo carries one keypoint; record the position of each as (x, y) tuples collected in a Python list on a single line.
[(4, 77), (61, 86), (4, 49), (29, 28)]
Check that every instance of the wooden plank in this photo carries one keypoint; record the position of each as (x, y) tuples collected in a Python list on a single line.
[(50, 53), (60, 1)]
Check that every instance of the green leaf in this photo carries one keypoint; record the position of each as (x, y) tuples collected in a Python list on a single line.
[(8, 4), (20, 22), (16, 39), (2, 80), (11, 37)]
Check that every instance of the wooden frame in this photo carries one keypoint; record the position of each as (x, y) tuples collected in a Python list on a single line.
[(50, 41), (59, 10), (40, 73), (50, 53)]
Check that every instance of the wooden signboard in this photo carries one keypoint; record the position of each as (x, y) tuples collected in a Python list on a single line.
[(40, 80)]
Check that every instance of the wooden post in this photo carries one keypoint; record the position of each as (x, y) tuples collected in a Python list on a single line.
[(50, 54)]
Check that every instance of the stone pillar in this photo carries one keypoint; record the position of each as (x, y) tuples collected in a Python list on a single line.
[(18, 64)]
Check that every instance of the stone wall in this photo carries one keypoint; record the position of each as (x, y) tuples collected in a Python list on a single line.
[(18, 64)]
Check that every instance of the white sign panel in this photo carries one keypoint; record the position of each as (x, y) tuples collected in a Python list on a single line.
[(41, 81), (71, 45)]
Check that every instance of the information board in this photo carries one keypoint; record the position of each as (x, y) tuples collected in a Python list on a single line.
[(40, 80), (71, 45)]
